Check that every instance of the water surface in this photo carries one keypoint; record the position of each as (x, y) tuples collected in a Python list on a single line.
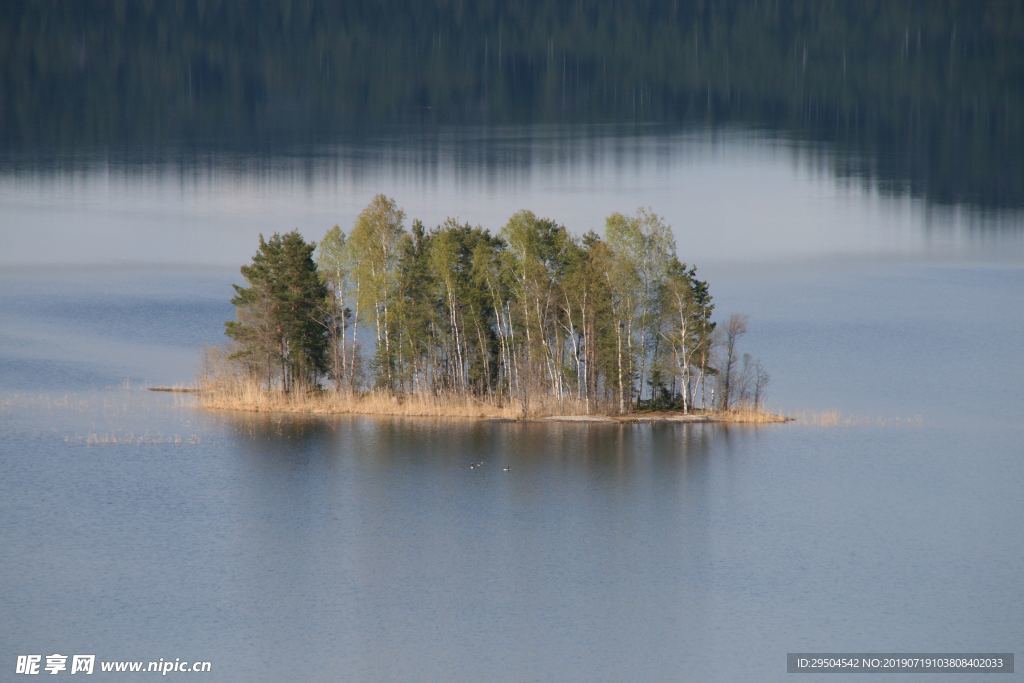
[(876, 241)]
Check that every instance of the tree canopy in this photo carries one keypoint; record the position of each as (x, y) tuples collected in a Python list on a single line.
[(279, 327), (529, 315)]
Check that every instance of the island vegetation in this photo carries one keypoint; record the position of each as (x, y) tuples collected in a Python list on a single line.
[(456, 320)]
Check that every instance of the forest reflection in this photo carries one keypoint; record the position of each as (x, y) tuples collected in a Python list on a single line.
[(443, 447), (921, 99)]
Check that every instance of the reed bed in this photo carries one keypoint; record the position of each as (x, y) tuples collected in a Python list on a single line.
[(240, 394), (132, 439), (249, 396), (747, 415)]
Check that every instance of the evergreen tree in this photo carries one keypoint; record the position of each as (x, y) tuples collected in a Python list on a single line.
[(279, 326), (685, 311), (416, 311)]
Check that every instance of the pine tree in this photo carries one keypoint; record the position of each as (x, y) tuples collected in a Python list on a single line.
[(279, 326), (415, 313)]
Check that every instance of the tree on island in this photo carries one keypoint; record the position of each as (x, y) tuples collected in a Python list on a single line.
[(280, 329), (530, 317), (735, 328), (373, 246)]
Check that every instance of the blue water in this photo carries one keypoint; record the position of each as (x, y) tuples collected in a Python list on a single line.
[(137, 527)]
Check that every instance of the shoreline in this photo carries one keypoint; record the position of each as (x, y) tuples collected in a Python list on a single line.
[(376, 405), (670, 416)]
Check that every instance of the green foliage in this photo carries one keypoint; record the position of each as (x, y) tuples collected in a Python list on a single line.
[(334, 263), (531, 314), (374, 248), (333, 258), (416, 311), (279, 326)]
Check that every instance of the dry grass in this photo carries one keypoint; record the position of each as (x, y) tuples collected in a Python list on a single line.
[(748, 415), (249, 396), (131, 439), (242, 395)]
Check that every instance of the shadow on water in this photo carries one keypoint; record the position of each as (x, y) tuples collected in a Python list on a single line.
[(607, 455)]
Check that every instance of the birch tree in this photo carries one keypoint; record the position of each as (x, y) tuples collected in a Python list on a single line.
[(374, 244)]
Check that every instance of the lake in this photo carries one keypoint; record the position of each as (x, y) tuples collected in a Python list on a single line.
[(884, 299)]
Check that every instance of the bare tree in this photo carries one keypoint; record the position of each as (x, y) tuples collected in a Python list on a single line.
[(735, 328), (761, 379), (743, 387)]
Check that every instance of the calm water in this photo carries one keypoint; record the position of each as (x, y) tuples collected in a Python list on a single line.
[(365, 549), (882, 267)]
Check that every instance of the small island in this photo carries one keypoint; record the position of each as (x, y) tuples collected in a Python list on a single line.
[(530, 323)]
